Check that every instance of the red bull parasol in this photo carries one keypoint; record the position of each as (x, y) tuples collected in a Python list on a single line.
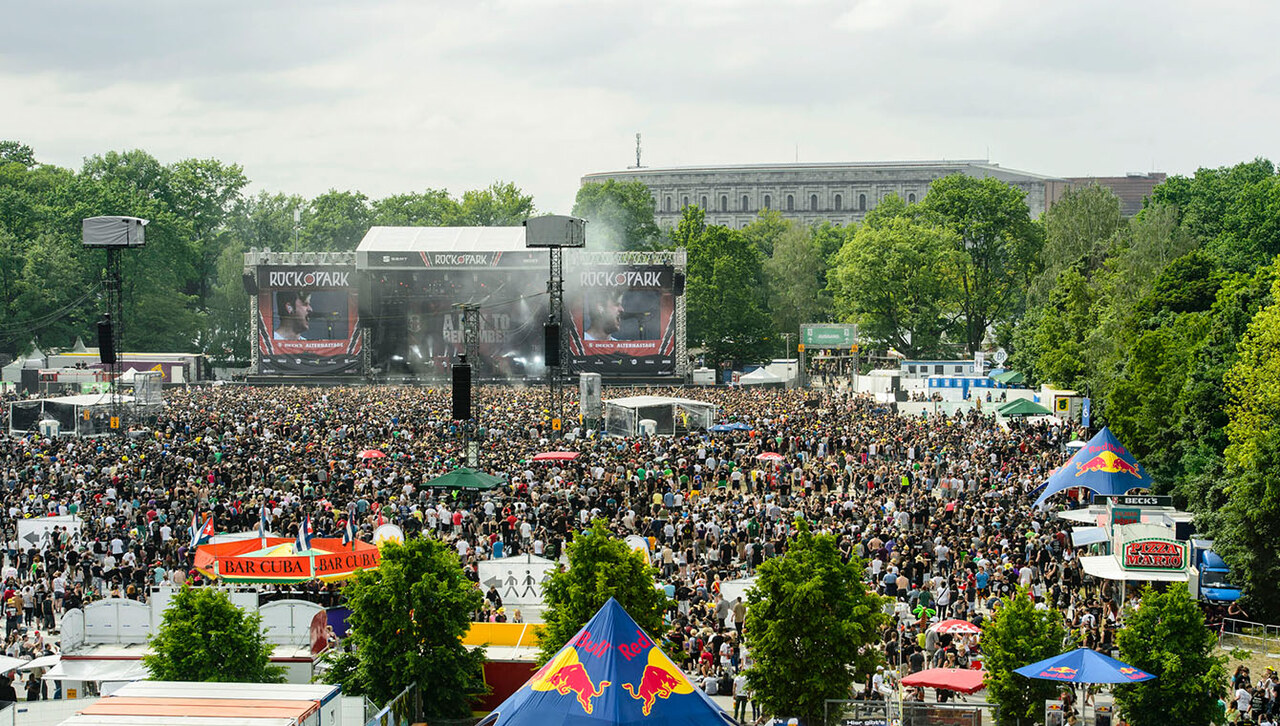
[(1103, 465)]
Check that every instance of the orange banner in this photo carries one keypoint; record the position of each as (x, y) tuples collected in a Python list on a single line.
[(265, 567)]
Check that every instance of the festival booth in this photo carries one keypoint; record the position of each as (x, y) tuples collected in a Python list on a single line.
[(761, 377), (668, 416), (610, 673), (83, 415), (279, 561)]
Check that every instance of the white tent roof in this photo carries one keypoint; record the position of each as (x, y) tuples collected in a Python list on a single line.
[(759, 376), (646, 401), (88, 399), (1108, 568), (442, 239)]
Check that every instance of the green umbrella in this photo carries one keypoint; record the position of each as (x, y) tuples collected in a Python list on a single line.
[(464, 478), (1009, 378), (1023, 407)]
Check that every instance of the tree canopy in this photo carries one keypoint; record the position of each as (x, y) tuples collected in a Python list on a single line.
[(1017, 635), (407, 621), (619, 215), (600, 567), (204, 637), (810, 620)]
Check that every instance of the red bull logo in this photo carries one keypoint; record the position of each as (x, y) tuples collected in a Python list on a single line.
[(564, 674), (1132, 674), (1107, 462), (661, 679), (1058, 672)]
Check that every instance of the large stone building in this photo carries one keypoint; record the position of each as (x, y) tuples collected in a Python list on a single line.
[(733, 195)]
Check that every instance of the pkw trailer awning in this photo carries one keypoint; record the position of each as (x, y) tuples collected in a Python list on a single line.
[(97, 670), (1107, 568)]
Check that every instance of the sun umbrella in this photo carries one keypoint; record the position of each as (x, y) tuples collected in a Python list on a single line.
[(739, 426), (1023, 407), (769, 456), (464, 478), (955, 627), (556, 456), (1083, 666), (371, 454), (721, 428), (961, 680)]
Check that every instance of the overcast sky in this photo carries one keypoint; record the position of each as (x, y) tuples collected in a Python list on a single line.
[(386, 97)]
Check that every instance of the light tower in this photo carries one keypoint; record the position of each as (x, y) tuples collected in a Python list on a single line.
[(113, 234), (554, 233)]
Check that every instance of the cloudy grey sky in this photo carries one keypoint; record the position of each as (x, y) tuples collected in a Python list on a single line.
[(388, 96)]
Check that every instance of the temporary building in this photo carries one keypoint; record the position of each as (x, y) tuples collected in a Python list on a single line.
[(670, 416), (761, 377)]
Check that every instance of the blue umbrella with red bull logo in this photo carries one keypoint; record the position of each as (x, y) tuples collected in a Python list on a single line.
[(1083, 665), (1102, 465), (611, 672)]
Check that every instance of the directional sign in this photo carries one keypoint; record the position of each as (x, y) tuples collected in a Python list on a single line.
[(829, 335)]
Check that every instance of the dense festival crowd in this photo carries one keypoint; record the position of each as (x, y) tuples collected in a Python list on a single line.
[(938, 507)]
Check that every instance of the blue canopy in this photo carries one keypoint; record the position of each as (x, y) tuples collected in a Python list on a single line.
[(611, 672), (720, 428), (1102, 465), (1083, 666)]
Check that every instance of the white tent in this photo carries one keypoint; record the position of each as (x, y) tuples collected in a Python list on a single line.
[(622, 416), (760, 377)]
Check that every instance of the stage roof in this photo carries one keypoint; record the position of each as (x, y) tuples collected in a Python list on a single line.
[(442, 239), (646, 401)]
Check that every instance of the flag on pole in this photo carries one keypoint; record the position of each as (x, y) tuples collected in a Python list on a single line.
[(262, 526), (201, 534), (348, 533), (193, 532), (302, 542)]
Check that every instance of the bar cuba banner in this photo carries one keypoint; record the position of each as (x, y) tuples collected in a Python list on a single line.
[(247, 560)]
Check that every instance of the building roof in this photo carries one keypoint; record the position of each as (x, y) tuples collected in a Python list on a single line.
[(442, 239), (820, 166)]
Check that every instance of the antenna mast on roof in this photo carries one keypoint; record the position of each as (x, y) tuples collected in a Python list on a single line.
[(638, 164)]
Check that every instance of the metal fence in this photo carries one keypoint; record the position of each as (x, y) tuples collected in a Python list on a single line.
[(403, 710), (1258, 637), (910, 713)]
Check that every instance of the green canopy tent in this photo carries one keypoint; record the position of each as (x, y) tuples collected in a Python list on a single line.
[(1023, 407), (464, 478), (1009, 378)]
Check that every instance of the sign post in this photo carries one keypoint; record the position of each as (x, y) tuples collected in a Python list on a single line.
[(830, 336)]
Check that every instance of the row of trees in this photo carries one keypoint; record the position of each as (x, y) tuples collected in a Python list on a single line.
[(183, 291), (1166, 636)]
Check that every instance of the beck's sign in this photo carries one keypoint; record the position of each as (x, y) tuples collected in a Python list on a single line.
[(1154, 554)]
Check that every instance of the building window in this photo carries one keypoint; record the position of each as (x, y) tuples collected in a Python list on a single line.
[(938, 370), (839, 202), (745, 203), (668, 204), (724, 203), (684, 202), (813, 202), (911, 198), (704, 203), (768, 201), (862, 202), (791, 203)]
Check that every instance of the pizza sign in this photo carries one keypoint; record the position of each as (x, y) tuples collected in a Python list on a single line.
[(1155, 554)]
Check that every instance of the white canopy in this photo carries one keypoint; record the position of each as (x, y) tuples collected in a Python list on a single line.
[(758, 377), (1081, 536), (1108, 568), (93, 669)]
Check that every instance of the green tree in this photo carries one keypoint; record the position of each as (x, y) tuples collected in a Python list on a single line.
[(794, 278), (407, 621), (1249, 533), (335, 222), (725, 273), (1167, 638), (766, 229), (432, 208), (1080, 226), (17, 153), (619, 215), (600, 567), (1020, 634), (1001, 245), (897, 280), (204, 637), (811, 626), (501, 204)]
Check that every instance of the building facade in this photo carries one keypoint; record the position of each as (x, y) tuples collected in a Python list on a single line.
[(839, 193)]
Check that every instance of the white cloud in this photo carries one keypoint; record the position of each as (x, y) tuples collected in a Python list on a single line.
[(393, 96)]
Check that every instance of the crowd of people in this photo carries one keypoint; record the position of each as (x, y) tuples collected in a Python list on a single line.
[(937, 506)]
